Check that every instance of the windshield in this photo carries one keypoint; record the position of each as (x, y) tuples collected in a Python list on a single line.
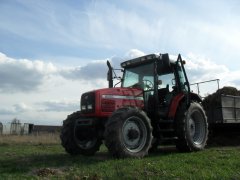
[(139, 77)]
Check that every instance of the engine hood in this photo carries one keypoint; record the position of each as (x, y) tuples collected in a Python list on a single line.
[(108, 100)]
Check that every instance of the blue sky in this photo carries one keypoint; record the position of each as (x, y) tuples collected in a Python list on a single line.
[(97, 29), (52, 51)]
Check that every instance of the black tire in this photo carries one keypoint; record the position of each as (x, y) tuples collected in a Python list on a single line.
[(77, 142), (128, 133), (191, 128)]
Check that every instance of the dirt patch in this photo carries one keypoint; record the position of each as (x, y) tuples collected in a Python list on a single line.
[(48, 172), (45, 172), (92, 177), (10, 154)]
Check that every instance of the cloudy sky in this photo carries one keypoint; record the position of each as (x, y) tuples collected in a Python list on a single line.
[(53, 51)]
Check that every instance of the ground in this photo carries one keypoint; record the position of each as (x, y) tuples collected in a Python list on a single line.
[(37, 157)]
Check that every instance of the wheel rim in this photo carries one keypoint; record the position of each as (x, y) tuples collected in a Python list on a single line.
[(197, 128), (86, 144), (134, 134)]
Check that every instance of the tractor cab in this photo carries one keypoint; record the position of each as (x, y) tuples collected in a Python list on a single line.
[(160, 78)]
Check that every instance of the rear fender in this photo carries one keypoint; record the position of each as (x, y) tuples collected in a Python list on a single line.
[(195, 97), (176, 101), (174, 105)]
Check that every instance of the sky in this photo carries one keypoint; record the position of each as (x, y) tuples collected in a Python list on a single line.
[(53, 51)]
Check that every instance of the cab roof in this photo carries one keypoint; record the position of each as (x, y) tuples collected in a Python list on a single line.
[(140, 60), (146, 59)]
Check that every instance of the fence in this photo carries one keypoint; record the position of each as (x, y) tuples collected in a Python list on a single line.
[(26, 128), (16, 128), (1, 128)]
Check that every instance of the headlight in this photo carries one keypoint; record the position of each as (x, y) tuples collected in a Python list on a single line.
[(83, 107), (89, 106)]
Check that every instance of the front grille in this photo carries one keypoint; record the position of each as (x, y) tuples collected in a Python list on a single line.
[(88, 102)]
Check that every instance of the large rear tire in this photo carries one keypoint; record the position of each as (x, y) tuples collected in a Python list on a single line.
[(191, 128), (128, 133), (76, 140)]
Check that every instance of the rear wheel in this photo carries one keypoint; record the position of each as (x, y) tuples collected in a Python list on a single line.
[(128, 133), (191, 128), (78, 140)]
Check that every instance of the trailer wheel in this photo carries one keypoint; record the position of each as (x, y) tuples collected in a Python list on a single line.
[(128, 133), (191, 128), (76, 140)]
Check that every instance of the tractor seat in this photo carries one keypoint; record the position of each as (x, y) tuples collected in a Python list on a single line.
[(162, 94)]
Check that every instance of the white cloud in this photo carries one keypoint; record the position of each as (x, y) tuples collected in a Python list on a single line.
[(22, 107), (200, 68), (59, 105), (22, 74), (94, 70), (134, 53), (15, 109)]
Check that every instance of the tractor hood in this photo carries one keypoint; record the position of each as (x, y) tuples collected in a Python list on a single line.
[(103, 102)]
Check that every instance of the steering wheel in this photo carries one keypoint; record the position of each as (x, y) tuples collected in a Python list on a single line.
[(147, 84)]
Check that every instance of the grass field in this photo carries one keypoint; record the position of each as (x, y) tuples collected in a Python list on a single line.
[(42, 157)]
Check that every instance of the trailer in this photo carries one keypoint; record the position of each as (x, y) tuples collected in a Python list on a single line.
[(228, 112)]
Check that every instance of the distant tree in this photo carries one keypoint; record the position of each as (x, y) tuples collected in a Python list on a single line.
[(16, 121)]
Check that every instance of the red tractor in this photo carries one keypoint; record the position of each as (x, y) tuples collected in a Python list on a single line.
[(153, 106)]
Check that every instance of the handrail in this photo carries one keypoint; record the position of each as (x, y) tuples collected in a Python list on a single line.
[(205, 82)]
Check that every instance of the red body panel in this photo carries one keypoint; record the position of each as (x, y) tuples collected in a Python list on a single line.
[(174, 105), (116, 98)]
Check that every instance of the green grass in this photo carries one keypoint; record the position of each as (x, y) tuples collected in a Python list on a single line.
[(49, 161)]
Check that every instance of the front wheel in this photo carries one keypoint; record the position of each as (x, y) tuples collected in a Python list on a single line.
[(79, 140), (191, 128), (128, 133)]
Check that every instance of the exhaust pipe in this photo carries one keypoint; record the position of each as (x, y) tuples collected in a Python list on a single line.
[(110, 75)]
